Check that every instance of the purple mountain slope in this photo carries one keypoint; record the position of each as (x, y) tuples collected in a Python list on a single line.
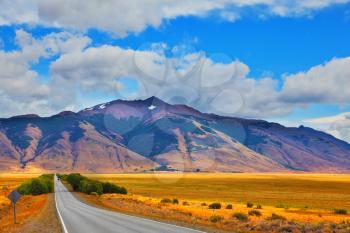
[(144, 135)]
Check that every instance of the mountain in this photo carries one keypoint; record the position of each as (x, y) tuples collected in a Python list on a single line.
[(145, 135)]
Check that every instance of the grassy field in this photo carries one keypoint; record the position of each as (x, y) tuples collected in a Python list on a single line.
[(28, 208), (307, 201), (314, 191), (8, 182)]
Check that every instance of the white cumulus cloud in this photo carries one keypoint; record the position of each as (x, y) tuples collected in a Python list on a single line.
[(122, 17)]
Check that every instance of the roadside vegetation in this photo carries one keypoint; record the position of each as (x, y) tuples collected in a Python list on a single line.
[(35, 213), (83, 184), (37, 186)]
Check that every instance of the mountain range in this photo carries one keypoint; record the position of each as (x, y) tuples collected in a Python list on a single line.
[(152, 135)]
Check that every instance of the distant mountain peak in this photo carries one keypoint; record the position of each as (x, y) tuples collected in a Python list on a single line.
[(138, 135)]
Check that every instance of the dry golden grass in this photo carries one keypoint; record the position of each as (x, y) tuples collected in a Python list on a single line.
[(26, 207), (8, 182), (300, 197)]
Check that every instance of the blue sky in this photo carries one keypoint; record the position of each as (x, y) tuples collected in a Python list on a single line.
[(283, 61)]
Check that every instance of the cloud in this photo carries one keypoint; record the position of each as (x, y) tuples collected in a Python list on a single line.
[(338, 125), (191, 78), (327, 83), (122, 17), (177, 75), (21, 90), (196, 79)]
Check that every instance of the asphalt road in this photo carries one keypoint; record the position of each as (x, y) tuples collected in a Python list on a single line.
[(78, 217)]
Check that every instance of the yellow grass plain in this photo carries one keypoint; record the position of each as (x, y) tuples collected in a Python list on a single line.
[(300, 197)]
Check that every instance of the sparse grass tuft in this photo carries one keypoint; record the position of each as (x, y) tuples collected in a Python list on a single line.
[(276, 217), (215, 206), (341, 211), (185, 203), (255, 213), (250, 204), (166, 200), (216, 218), (240, 216)]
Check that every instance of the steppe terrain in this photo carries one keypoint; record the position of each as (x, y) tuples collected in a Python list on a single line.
[(300, 198)]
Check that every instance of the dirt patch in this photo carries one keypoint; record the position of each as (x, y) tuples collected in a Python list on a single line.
[(34, 215)]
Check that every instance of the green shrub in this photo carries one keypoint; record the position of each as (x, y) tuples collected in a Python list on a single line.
[(240, 216), (41, 185), (277, 217), (250, 204), (91, 186), (175, 201), (74, 180), (113, 188), (341, 211), (255, 213), (62, 176), (166, 200), (258, 206), (94, 194), (85, 185), (229, 207), (48, 180), (216, 218), (215, 206)]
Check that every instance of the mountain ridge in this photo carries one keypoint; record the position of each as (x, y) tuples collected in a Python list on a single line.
[(143, 135)]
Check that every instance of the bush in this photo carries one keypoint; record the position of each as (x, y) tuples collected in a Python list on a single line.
[(259, 207), (185, 203), (204, 204), (41, 185), (216, 218), (250, 204), (62, 176), (113, 188), (33, 187), (94, 194), (74, 180), (240, 216), (175, 201), (229, 207), (277, 217), (91, 186), (255, 213), (85, 185), (215, 206), (166, 200), (47, 179), (341, 211)]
